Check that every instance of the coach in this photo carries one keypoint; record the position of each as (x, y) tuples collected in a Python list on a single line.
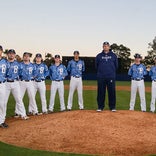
[(106, 64)]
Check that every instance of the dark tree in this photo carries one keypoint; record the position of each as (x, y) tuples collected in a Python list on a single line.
[(123, 53), (149, 59), (49, 59)]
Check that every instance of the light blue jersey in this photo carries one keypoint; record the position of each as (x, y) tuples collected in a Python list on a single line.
[(13, 70), (27, 71), (76, 68), (41, 72), (57, 73), (3, 68), (137, 71), (152, 73)]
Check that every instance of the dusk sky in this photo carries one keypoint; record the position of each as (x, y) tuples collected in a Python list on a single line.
[(62, 26)]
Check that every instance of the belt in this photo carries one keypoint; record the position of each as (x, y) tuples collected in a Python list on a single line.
[(2, 82), (154, 80), (137, 79), (27, 80), (57, 80), (76, 76), (39, 80), (11, 80)]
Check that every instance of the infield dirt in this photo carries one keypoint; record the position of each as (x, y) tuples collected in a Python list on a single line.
[(86, 131)]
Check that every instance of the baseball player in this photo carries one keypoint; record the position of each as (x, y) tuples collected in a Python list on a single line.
[(57, 74), (40, 74), (152, 73), (137, 72), (26, 83), (106, 64), (75, 67), (3, 66), (12, 84)]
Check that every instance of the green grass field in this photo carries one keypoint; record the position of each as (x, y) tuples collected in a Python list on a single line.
[(89, 103)]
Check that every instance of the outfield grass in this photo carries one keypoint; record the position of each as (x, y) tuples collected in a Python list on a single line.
[(9, 150), (89, 103)]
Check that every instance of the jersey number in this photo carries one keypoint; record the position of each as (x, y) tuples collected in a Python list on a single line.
[(41, 70), (3, 69), (15, 69), (30, 70), (80, 66), (61, 71)]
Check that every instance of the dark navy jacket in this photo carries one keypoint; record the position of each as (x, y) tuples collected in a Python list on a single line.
[(106, 65)]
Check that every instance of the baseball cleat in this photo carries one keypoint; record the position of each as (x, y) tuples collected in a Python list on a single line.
[(25, 117), (98, 110), (113, 110), (37, 114), (45, 112), (3, 125), (30, 113), (131, 109), (50, 111), (69, 109), (16, 116), (62, 110)]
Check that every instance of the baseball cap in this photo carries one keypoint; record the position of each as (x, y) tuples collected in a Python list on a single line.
[(27, 54), (11, 51), (57, 56), (1, 48), (137, 55), (38, 55), (76, 52), (106, 43)]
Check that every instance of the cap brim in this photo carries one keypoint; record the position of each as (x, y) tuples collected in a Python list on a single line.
[(11, 52)]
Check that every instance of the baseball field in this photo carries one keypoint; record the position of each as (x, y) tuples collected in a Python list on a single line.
[(82, 132)]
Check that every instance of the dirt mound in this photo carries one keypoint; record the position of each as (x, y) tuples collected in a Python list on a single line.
[(89, 132)]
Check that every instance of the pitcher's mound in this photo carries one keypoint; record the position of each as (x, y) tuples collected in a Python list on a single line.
[(88, 132)]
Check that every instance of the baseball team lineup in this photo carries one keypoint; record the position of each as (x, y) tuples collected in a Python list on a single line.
[(21, 77)]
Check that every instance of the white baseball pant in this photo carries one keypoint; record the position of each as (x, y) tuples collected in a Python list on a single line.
[(153, 96), (29, 87), (14, 88), (57, 85), (141, 88), (40, 86), (2, 102), (75, 83)]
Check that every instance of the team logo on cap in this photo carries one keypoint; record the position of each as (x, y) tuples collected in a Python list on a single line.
[(38, 55), (57, 56), (11, 51), (137, 55), (106, 43)]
